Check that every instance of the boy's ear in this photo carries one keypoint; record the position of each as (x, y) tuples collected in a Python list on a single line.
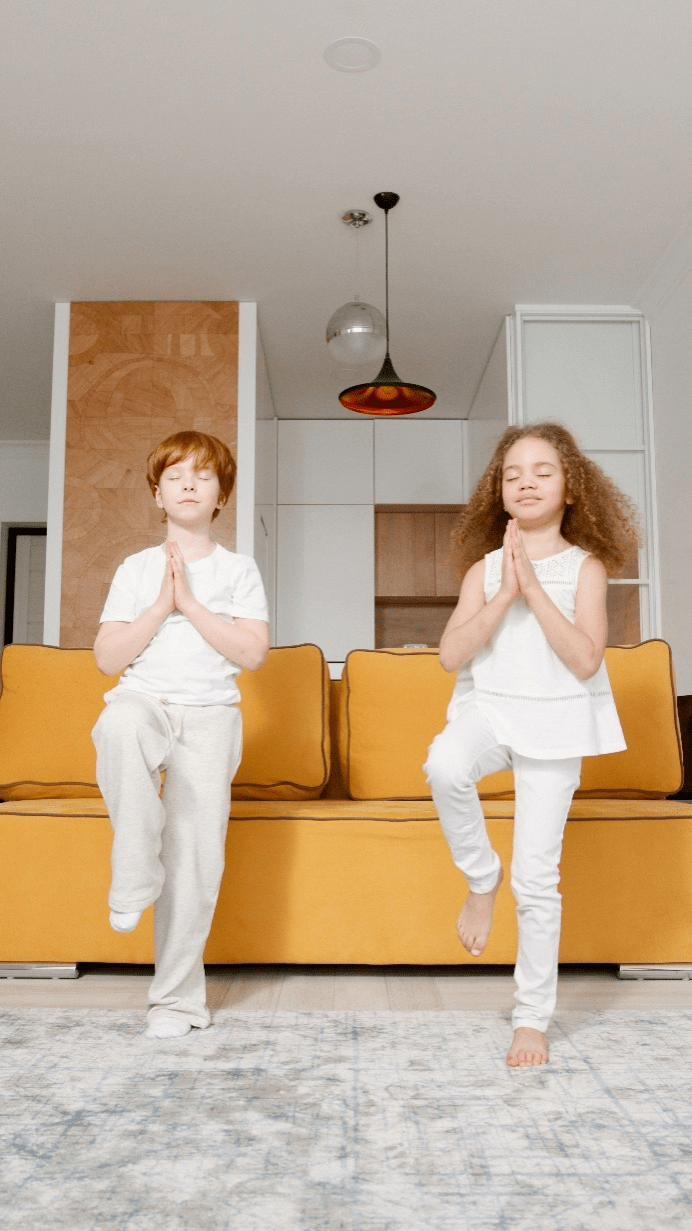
[(157, 497)]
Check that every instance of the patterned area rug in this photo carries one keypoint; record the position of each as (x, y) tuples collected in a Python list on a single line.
[(344, 1122)]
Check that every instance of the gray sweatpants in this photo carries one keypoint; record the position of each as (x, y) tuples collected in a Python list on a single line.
[(169, 848)]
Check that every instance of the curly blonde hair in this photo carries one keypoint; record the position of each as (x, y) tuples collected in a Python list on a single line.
[(600, 518)]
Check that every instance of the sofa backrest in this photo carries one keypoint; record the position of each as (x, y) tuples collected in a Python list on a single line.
[(52, 697), (286, 740), (393, 703)]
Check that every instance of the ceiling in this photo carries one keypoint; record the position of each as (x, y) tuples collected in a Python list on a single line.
[(204, 149)]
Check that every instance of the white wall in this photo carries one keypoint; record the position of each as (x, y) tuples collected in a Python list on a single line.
[(23, 490), (23, 480), (666, 299)]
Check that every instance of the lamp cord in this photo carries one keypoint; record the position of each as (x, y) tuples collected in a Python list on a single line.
[(386, 274)]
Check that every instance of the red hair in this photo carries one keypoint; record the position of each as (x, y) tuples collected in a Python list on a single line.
[(206, 450)]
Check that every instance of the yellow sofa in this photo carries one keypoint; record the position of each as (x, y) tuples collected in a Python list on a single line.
[(334, 851)]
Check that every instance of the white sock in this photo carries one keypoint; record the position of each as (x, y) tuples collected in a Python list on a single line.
[(125, 922), (161, 1027)]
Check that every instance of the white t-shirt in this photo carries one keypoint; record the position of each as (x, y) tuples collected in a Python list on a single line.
[(178, 665)]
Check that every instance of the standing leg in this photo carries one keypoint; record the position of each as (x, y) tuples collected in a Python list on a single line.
[(544, 791), (133, 737), (463, 753), (196, 799)]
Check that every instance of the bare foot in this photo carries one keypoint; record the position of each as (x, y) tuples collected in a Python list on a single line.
[(529, 1048), (476, 919)]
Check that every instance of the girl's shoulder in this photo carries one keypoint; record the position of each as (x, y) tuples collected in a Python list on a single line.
[(561, 569)]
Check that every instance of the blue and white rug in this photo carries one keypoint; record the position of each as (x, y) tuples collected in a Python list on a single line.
[(344, 1122)]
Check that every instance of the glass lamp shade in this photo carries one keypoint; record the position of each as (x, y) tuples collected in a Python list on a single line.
[(356, 335), (387, 395)]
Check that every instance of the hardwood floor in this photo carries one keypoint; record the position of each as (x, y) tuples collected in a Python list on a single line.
[(382, 989)]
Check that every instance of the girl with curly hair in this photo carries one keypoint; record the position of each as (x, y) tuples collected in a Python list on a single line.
[(544, 529)]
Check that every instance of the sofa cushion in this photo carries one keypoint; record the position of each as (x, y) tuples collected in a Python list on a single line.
[(346, 811), (52, 697), (286, 743), (393, 703), (643, 685), (50, 701)]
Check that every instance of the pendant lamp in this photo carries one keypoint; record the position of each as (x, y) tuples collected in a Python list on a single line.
[(387, 395), (356, 331)]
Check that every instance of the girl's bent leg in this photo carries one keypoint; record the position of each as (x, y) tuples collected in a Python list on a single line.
[(196, 797), (544, 791), (133, 738), (463, 753)]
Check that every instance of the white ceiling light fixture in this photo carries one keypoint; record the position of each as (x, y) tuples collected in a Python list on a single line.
[(352, 55), (357, 332)]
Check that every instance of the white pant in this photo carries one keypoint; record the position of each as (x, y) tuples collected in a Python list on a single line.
[(169, 848), (463, 753)]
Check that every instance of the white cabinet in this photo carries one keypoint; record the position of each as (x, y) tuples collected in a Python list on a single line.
[(331, 473), (323, 461), (326, 577), (418, 463)]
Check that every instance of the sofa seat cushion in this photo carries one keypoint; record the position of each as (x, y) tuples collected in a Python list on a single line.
[(393, 703), (339, 810), (51, 699), (245, 809)]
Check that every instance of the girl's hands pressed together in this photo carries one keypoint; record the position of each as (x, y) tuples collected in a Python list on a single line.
[(509, 586), (523, 568)]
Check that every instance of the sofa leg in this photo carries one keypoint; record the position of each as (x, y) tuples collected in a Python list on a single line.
[(673, 971), (39, 970)]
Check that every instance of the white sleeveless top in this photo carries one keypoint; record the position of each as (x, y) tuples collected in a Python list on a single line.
[(534, 703)]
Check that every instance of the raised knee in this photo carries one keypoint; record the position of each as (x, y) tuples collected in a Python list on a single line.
[(120, 720), (438, 768), (445, 773)]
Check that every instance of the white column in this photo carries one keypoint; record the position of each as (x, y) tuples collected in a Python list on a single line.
[(56, 475)]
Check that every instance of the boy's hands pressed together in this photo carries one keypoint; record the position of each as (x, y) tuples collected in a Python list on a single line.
[(183, 598), (165, 603)]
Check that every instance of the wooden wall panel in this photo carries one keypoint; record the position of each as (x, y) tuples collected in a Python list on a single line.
[(399, 624), (138, 372), (404, 553)]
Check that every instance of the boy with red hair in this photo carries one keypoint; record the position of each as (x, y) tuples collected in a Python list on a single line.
[(181, 621)]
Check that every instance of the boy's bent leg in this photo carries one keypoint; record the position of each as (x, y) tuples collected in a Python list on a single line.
[(197, 800), (544, 791), (133, 739)]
